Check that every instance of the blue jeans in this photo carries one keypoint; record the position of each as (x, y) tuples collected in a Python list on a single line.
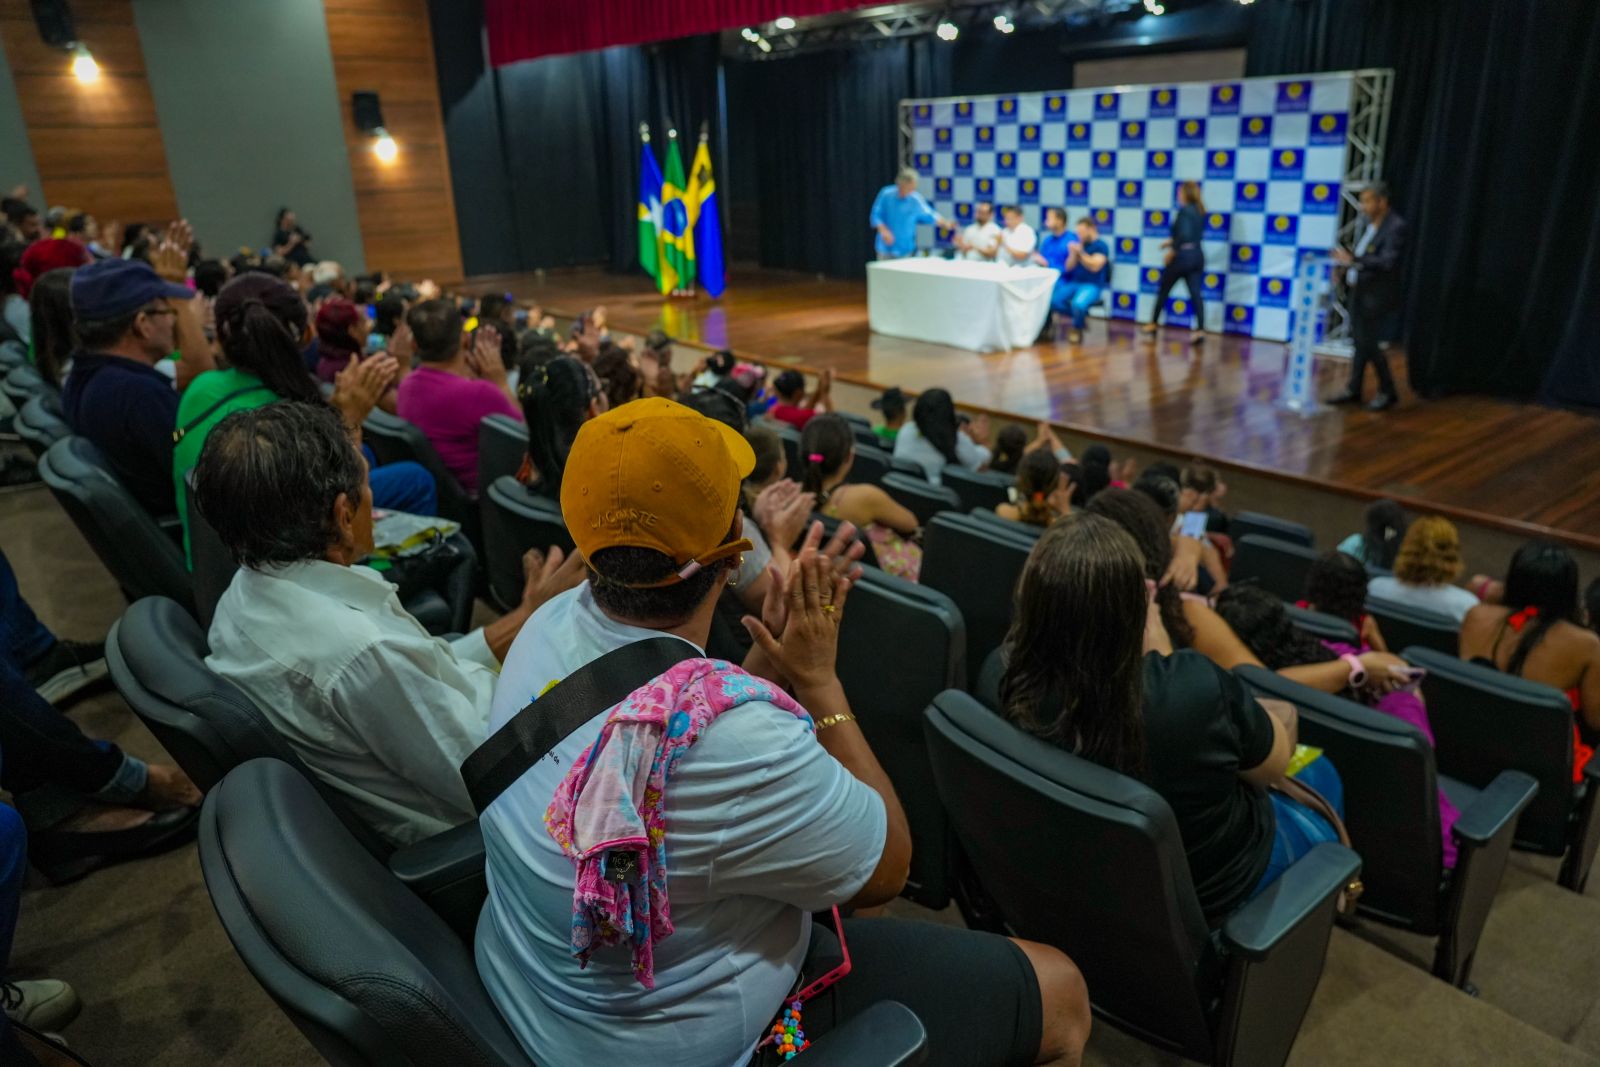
[(13, 868), (1299, 829), (405, 486), (44, 747), (1075, 299), (23, 638)]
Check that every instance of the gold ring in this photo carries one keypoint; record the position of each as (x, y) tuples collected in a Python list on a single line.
[(828, 608)]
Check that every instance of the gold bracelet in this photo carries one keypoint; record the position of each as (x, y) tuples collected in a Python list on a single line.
[(834, 720)]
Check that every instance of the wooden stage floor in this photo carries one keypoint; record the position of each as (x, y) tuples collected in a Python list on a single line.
[(1504, 463)]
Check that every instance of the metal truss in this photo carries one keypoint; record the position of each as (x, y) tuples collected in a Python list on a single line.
[(890, 21), (1367, 128)]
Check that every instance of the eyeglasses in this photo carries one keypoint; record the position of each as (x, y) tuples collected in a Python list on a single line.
[(160, 311)]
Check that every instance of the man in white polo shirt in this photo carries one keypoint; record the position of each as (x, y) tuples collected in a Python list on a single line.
[(980, 240)]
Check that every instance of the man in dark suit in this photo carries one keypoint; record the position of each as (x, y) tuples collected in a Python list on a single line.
[(1372, 272)]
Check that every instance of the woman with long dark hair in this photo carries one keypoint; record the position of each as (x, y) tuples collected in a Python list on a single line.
[(1090, 669), (557, 398), (935, 437), (1184, 260), (50, 311), (261, 324), (1538, 634), (1379, 543), (1337, 585), (827, 452)]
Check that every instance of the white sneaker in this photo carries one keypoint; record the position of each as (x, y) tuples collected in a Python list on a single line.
[(43, 1004)]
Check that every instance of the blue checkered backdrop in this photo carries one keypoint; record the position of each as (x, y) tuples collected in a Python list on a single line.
[(1269, 154)]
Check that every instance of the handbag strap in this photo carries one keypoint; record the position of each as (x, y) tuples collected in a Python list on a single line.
[(1308, 797), (183, 431), (538, 728)]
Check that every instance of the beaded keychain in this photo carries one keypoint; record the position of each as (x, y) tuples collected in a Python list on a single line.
[(788, 1035)]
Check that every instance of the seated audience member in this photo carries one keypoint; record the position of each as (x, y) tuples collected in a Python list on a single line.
[(557, 398), (50, 314), (768, 817), (1084, 276), (620, 377), (714, 367), (979, 240), (794, 406), (1379, 543), (1009, 445), (535, 348), (13, 302), (1090, 668), (1042, 493), (332, 275), (1537, 633), (1017, 239), (1428, 562), (260, 320), (342, 330), (126, 807), (1094, 474), (129, 319), (454, 387), (36, 260), (22, 219), (1337, 585), (210, 275), (655, 364), (377, 708), (1196, 562), (748, 381), (891, 404), (935, 437), (1263, 624), (1199, 489), (388, 317), (827, 452)]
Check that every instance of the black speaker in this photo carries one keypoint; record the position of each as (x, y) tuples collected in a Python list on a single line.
[(55, 23), (368, 113)]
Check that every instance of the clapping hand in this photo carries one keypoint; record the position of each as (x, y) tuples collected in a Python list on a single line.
[(357, 388), (814, 596), (548, 574), (170, 255)]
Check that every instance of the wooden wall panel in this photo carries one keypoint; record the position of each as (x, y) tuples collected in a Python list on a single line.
[(406, 208), (97, 145)]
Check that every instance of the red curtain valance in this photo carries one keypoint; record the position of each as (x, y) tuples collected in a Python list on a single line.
[(527, 29)]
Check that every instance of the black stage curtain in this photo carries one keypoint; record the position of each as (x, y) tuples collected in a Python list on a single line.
[(544, 154), (815, 137), (1492, 152)]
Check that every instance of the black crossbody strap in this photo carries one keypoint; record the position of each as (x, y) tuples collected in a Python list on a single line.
[(182, 431), (534, 731)]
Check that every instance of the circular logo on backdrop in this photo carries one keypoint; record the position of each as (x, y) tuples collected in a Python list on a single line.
[(1159, 159), (1052, 159), (1256, 125), (1274, 286), (1078, 131), (943, 185), (1251, 189), (984, 133), (1104, 158), (1179, 307), (1077, 187), (1215, 220), (1152, 275), (1157, 217), (984, 184), (1296, 90), (963, 108), (1007, 105), (1281, 223), (1005, 159), (1055, 103), (1286, 157), (1246, 254), (1191, 127), (1123, 299), (1106, 100), (1211, 281), (1131, 129), (1164, 96), (963, 159), (1220, 158), (1129, 188), (1101, 215), (944, 134), (1027, 186), (1225, 93), (1320, 192), (1127, 244)]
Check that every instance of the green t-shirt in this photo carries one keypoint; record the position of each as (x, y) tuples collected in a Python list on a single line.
[(209, 399), (887, 434)]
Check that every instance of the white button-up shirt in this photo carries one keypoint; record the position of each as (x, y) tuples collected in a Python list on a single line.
[(375, 706)]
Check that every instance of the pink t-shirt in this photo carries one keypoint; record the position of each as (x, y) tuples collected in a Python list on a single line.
[(448, 408)]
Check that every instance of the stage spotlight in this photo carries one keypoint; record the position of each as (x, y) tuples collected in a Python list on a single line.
[(84, 68), (948, 31), (1003, 23), (384, 147), (783, 22), (1154, 7), (748, 34), (763, 44), (1246, 3)]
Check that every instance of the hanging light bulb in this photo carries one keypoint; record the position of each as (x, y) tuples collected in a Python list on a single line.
[(84, 68), (1003, 23), (948, 31), (783, 22)]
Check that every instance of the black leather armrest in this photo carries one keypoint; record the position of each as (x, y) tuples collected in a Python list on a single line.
[(888, 1034), (447, 871), (1255, 929), (1496, 809), (1483, 835)]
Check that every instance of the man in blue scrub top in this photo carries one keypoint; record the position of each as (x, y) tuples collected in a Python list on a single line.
[(896, 212), (1084, 261)]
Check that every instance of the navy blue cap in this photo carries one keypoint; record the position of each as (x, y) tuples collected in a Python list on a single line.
[(111, 288)]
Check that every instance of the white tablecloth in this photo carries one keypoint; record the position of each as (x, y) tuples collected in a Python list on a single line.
[(981, 306)]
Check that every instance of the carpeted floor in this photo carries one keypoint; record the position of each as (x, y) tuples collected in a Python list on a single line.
[(161, 984)]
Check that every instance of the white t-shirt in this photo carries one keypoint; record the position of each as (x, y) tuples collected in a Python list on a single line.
[(764, 827), (1017, 244), (1451, 600), (981, 235)]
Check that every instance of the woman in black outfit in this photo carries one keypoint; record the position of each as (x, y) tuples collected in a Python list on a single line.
[(1184, 259)]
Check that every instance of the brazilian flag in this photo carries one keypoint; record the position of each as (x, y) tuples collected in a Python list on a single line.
[(677, 229), (650, 214)]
